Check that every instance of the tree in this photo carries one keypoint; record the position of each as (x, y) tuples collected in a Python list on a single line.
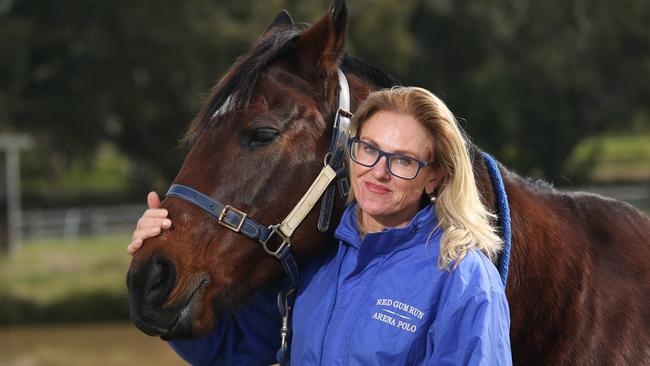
[(527, 79), (531, 79)]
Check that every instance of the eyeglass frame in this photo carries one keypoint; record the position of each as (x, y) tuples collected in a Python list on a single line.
[(382, 153)]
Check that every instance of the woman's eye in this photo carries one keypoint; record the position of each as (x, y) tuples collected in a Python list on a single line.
[(368, 149), (262, 136), (403, 161)]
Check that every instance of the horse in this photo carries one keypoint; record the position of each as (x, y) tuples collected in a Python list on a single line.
[(579, 276)]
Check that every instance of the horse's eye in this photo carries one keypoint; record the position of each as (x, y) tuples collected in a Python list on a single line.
[(263, 136)]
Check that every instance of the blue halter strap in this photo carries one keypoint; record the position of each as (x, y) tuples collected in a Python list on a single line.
[(503, 213)]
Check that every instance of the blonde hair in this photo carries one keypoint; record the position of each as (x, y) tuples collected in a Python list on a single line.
[(461, 215)]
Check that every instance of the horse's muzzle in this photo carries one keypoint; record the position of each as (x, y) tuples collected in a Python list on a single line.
[(150, 286)]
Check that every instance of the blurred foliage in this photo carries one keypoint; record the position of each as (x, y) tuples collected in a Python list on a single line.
[(101, 180), (533, 78), (601, 158), (528, 80)]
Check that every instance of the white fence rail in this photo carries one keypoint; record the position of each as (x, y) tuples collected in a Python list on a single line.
[(68, 224)]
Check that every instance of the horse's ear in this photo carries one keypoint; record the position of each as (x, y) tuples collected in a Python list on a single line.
[(283, 19), (322, 44)]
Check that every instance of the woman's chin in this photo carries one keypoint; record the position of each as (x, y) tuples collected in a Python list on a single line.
[(376, 209)]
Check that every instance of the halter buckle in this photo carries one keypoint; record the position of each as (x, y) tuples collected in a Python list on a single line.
[(286, 241), (233, 227)]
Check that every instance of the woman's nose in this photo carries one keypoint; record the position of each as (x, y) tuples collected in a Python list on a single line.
[(380, 169)]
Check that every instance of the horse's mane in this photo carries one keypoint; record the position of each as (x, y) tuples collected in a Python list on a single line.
[(541, 184), (240, 81), (368, 72)]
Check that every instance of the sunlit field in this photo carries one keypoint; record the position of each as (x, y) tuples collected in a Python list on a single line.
[(65, 303)]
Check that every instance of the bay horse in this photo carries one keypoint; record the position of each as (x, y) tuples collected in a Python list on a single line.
[(579, 279)]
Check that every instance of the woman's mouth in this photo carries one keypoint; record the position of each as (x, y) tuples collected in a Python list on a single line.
[(376, 188)]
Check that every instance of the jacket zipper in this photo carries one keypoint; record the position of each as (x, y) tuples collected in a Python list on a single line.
[(330, 312)]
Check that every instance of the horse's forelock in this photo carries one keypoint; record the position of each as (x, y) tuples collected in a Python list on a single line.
[(238, 86)]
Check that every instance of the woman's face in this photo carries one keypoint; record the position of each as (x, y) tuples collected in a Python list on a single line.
[(390, 200)]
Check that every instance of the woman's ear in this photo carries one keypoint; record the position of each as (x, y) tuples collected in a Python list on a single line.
[(433, 182)]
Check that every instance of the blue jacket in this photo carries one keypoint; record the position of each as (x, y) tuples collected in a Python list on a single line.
[(377, 301)]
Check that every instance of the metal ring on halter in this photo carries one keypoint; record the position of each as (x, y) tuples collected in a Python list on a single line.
[(286, 241), (327, 158), (344, 113)]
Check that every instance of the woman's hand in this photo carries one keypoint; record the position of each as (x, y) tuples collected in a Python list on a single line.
[(150, 224)]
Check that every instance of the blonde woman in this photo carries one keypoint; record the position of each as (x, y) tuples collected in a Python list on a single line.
[(411, 282)]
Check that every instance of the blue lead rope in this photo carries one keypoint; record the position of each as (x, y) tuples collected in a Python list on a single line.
[(504, 215)]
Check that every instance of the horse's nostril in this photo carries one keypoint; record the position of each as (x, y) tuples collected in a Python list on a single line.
[(159, 273), (160, 279)]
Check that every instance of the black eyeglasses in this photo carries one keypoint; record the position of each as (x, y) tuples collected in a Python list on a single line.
[(401, 166)]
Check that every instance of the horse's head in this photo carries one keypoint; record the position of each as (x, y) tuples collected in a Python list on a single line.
[(257, 146)]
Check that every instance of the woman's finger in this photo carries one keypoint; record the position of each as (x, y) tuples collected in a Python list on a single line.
[(148, 230), (134, 246), (153, 201), (146, 233), (153, 220), (146, 222), (155, 212)]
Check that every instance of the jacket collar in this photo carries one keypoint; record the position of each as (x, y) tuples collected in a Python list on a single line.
[(390, 239)]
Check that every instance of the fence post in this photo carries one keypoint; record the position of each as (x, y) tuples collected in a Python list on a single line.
[(71, 225), (11, 144)]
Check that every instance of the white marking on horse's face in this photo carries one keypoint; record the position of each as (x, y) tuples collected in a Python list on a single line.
[(225, 107)]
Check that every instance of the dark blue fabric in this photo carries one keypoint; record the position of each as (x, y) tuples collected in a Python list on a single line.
[(378, 300), (249, 337)]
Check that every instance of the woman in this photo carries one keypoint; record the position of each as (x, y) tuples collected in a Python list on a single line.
[(411, 281)]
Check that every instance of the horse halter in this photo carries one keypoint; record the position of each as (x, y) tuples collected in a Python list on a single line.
[(239, 221)]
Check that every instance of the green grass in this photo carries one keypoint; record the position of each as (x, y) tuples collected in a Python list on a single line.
[(613, 158), (54, 281)]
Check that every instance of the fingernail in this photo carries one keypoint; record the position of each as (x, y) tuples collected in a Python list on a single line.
[(167, 223)]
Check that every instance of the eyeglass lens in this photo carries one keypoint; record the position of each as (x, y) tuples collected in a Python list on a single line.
[(399, 165)]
